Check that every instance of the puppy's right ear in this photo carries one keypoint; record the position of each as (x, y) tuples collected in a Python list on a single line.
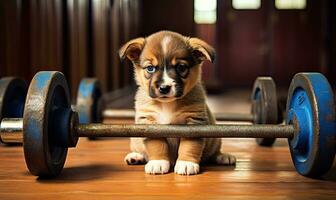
[(132, 49)]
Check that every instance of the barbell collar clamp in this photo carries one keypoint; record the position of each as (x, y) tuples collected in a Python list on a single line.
[(11, 131), (66, 120)]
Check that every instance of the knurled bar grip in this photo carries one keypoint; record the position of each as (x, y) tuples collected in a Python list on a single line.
[(186, 131)]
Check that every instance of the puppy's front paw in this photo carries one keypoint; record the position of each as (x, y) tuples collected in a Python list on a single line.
[(225, 159), (157, 167), (186, 168), (135, 158)]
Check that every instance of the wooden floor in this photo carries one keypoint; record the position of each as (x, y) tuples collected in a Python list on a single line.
[(95, 170)]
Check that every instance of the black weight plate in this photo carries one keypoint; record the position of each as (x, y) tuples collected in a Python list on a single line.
[(13, 93), (264, 105)]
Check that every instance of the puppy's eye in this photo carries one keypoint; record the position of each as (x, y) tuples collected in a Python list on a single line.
[(150, 69), (181, 68)]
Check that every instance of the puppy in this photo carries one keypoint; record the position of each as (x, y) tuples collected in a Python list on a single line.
[(167, 68)]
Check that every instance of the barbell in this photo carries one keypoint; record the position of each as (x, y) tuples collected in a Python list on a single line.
[(90, 109), (49, 126), (13, 93)]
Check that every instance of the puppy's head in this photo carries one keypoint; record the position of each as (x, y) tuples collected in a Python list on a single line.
[(167, 64)]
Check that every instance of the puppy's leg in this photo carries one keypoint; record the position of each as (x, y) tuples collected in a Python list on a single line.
[(189, 156), (224, 159), (138, 155), (135, 158), (215, 144), (156, 149), (212, 153), (158, 154)]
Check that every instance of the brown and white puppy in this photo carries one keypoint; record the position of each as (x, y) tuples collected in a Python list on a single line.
[(167, 70)]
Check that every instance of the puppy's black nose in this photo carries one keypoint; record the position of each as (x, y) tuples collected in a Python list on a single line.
[(164, 89)]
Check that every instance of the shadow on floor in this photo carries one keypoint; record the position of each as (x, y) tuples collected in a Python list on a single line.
[(331, 175), (80, 174)]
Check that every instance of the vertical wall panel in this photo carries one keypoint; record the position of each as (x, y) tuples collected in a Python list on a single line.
[(242, 44), (115, 43), (126, 12), (2, 41), (14, 58), (78, 41), (129, 21), (46, 35), (297, 42), (332, 42), (121, 40), (100, 40), (79, 37), (3, 52), (35, 35), (12, 37)]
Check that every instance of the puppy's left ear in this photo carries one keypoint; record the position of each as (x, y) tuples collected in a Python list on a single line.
[(201, 50), (132, 49)]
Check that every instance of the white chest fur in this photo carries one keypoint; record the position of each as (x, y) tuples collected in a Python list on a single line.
[(166, 114)]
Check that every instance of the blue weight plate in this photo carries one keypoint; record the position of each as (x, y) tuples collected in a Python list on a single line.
[(310, 107), (264, 105), (13, 93), (87, 105), (48, 93)]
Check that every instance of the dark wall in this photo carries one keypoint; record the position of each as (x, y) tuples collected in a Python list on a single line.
[(32, 37), (171, 15), (272, 42), (331, 41), (265, 42), (78, 37), (82, 37)]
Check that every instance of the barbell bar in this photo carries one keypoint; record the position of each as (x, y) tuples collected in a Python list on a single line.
[(13, 128), (50, 126)]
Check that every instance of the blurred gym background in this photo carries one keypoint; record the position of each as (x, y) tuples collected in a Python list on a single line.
[(252, 37)]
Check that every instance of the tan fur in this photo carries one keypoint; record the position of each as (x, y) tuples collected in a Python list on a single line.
[(190, 108), (192, 105)]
